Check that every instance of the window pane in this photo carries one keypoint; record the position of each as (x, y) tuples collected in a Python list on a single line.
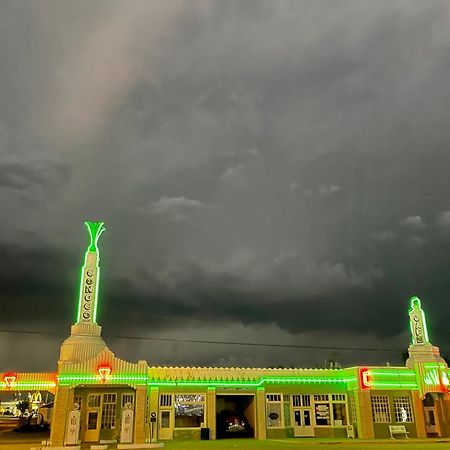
[(274, 414), (92, 420), (165, 419), (322, 414), (380, 409), (189, 415), (403, 409), (306, 418), (340, 417)]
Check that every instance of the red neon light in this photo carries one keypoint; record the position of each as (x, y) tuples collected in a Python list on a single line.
[(364, 378), (104, 372), (9, 379)]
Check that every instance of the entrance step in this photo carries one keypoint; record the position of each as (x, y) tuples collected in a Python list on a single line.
[(139, 446), (72, 447)]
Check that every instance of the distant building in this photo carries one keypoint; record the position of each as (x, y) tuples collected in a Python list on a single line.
[(100, 398)]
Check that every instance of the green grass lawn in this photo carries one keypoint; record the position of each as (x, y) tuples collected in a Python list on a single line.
[(285, 444), (307, 444)]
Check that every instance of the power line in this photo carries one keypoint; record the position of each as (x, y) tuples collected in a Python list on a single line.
[(199, 341)]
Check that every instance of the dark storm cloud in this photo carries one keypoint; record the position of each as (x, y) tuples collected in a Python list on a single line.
[(277, 169)]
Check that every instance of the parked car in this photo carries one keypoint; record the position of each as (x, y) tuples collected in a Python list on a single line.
[(233, 424)]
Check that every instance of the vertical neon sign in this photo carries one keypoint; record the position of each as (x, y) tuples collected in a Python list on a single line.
[(90, 274), (417, 323)]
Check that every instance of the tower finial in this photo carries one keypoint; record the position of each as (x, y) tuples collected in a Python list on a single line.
[(95, 229)]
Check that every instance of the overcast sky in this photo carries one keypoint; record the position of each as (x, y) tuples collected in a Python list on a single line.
[(268, 171)]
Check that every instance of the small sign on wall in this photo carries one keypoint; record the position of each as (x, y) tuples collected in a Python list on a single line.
[(73, 428), (126, 432)]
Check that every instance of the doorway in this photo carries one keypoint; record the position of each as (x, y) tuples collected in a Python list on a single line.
[(430, 415), (166, 424), (303, 422), (236, 416), (302, 414), (93, 418)]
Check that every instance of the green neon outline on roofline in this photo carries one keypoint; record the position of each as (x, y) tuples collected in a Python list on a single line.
[(397, 374), (268, 380), (392, 384), (19, 384), (113, 378), (63, 378)]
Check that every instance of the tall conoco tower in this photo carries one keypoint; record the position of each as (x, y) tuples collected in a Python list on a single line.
[(85, 339)]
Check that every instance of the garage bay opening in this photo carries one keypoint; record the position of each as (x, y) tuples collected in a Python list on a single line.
[(235, 416)]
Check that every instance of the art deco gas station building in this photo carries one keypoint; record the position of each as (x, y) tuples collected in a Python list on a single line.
[(100, 398)]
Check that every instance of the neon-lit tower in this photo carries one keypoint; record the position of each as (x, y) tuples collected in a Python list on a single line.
[(421, 350), (417, 323), (85, 339), (90, 274)]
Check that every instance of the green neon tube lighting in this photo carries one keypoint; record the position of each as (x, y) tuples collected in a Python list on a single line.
[(150, 382), (95, 230), (97, 377), (392, 374), (265, 380), (90, 276), (417, 322), (23, 385)]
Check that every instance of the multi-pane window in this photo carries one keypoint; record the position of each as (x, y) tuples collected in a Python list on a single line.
[(380, 409), (403, 409), (322, 412), (189, 410), (127, 400), (94, 400), (301, 400), (109, 411), (339, 409), (353, 409), (165, 400), (330, 409), (273, 408)]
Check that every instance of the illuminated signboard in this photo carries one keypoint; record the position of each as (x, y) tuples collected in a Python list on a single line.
[(90, 273)]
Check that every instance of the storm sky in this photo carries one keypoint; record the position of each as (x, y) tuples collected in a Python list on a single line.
[(268, 171)]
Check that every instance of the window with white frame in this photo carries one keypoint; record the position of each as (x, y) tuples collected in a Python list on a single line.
[(109, 411), (380, 409), (189, 410), (322, 410), (339, 409), (273, 409), (301, 400), (403, 409)]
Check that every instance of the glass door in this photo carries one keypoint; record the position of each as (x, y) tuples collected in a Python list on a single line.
[(92, 433), (303, 422), (166, 424)]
